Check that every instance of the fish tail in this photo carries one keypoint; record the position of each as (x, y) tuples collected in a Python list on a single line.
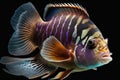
[(30, 68), (23, 22)]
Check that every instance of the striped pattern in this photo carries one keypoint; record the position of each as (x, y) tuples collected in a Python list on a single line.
[(85, 21), (75, 27), (66, 28), (61, 33), (60, 18), (85, 31), (47, 28), (77, 40)]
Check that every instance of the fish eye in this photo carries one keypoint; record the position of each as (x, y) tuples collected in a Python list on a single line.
[(91, 44)]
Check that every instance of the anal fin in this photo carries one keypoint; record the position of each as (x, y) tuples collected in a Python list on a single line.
[(61, 75), (49, 74)]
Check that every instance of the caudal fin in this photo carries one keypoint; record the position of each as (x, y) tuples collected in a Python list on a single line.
[(23, 22)]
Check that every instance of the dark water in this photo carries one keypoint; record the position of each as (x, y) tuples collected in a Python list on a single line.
[(103, 14)]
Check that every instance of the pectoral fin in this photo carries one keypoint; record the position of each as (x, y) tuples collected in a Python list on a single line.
[(54, 51)]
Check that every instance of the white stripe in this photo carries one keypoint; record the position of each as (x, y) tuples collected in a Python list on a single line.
[(58, 24), (85, 31), (63, 25), (83, 41), (77, 40), (85, 21), (96, 34), (53, 25), (67, 33), (75, 27), (71, 21)]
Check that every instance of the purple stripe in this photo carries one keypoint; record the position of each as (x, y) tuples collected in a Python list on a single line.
[(48, 27), (38, 26), (53, 26), (68, 29), (38, 29), (41, 26), (62, 29), (69, 32), (67, 36), (58, 25)]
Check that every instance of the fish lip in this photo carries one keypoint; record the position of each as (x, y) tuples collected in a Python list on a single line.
[(106, 55)]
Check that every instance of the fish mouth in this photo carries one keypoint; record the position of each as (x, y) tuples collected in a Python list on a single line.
[(106, 56)]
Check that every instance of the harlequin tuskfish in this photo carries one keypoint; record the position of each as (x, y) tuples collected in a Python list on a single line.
[(66, 37)]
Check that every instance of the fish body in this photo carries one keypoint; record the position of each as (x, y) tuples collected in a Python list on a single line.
[(67, 38)]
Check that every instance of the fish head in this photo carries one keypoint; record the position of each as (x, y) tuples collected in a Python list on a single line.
[(94, 53)]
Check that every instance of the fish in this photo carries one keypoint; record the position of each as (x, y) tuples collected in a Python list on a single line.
[(66, 37)]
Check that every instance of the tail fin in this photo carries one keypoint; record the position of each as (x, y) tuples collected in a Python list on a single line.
[(23, 22), (28, 67)]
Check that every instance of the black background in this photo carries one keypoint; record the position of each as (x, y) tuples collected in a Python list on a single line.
[(103, 14)]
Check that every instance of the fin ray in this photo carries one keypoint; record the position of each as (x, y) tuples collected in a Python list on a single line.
[(54, 51), (28, 67), (23, 22), (62, 75), (64, 8)]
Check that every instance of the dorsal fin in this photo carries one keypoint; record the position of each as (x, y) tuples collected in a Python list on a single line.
[(63, 8)]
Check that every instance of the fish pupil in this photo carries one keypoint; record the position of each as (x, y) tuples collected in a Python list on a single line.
[(91, 44)]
